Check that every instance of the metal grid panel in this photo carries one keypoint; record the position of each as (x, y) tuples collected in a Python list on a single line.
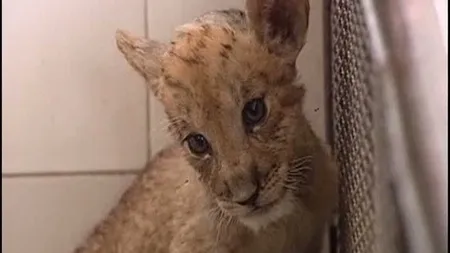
[(353, 126), (382, 208)]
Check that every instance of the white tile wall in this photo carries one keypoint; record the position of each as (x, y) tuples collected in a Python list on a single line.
[(53, 214), (69, 99), (71, 107)]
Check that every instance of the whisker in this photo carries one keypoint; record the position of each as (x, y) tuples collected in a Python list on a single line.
[(290, 187), (230, 220), (219, 226), (299, 171), (298, 175), (302, 158), (301, 161)]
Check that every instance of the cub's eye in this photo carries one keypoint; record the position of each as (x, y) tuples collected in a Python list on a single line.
[(254, 112), (197, 144)]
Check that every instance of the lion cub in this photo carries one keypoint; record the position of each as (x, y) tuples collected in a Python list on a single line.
[(247, 174)]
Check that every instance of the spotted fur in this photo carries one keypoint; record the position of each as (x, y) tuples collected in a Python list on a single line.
[(188, 203)]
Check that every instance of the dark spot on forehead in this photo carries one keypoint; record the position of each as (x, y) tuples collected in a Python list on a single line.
[(227, 46), (187, 60), (224, 54), (201, 44), (226, 30), (206, 29)]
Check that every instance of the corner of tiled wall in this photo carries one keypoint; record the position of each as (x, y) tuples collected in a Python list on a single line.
[(77, 121)]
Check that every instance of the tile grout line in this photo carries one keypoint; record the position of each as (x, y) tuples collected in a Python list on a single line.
[(119, 172), (147, 89)]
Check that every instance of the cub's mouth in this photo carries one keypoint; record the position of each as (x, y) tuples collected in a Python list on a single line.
[(260, 216), (263, 209)]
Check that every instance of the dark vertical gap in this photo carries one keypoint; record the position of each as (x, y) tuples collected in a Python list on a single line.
[(327, 72), (328, 94)]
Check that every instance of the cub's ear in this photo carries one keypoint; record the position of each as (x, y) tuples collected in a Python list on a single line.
[(280, 24), (143, 55)]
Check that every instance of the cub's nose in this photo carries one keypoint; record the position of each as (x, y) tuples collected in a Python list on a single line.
[(242, 184), (248, 198)]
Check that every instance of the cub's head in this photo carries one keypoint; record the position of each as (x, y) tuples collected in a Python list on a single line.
[(227, 85)]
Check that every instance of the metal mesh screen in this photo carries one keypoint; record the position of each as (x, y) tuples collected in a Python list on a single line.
[(368, 216), (352, 126), (372, 151)]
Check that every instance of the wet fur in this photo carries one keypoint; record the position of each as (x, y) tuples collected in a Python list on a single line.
[(185, 203)]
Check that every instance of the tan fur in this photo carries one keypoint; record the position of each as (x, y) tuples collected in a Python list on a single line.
[(188, 203)]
